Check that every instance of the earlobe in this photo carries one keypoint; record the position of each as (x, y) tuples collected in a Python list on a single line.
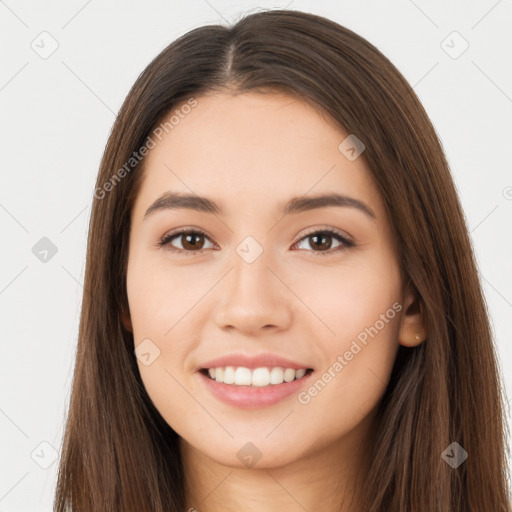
[(412, 326), (126, 321), (418, 338)]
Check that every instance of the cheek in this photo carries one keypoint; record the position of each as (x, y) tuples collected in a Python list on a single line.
[(363, 314), (163, 302), (358, 361), (360, 310), (351, 297), (360, 347), (159, 297), (158, 302)]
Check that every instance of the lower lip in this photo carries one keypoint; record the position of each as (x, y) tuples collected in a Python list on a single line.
[(249, 397)]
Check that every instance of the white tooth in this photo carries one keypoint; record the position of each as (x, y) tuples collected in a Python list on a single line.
[(289, 374), (300, 373), (243, 376), (211, 372), (260, 377), (229, 375), (219, 374), (276, 376)]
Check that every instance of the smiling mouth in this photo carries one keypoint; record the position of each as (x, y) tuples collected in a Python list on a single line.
[(254, 377)]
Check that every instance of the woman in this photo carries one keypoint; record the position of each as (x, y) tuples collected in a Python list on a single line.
[(282, 309)]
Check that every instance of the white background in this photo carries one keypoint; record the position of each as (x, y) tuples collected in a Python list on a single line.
[(55, 117)]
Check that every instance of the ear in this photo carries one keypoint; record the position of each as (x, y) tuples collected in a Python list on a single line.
[(127, 321), (412, 325)]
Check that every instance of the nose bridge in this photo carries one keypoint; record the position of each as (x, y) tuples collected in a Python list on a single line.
[(254, 297), (251, 276), (251, 263)]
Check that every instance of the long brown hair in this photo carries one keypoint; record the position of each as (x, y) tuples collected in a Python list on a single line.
[(119, 454)]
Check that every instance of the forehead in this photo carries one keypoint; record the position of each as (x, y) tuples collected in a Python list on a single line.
[(254, 146)]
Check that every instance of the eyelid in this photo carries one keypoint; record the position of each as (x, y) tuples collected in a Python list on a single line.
[(324, 229)]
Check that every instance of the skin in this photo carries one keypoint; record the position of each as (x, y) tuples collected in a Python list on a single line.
[(251, 153)]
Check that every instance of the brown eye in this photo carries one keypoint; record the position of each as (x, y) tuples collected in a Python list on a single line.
[(320, 242), (190, 241)]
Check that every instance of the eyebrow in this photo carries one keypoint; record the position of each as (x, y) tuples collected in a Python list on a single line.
[(175, 201)]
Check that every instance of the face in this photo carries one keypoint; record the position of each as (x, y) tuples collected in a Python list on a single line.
[(264, 278)]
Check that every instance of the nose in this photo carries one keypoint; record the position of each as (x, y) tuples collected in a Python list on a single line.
[(254, 297)]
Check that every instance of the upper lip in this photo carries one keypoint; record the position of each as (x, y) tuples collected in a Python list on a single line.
[(254, 361)]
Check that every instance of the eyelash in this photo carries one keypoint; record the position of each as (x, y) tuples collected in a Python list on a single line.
[(167, 238)]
